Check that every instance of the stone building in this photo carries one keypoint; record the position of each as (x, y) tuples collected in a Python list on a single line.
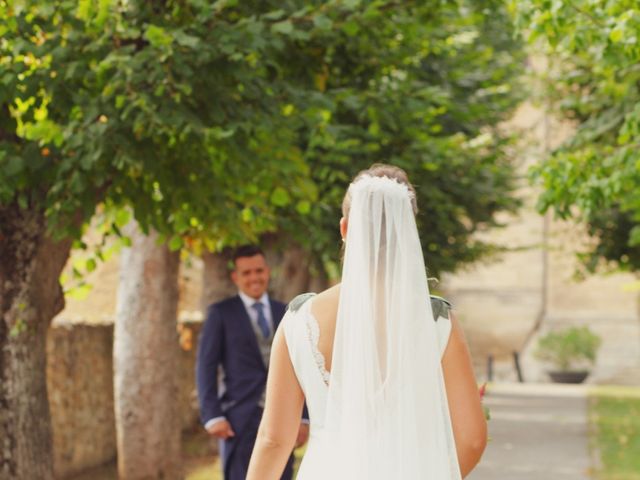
[(507, 302)]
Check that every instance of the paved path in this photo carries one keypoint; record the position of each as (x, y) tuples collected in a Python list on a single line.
[(537, 432)]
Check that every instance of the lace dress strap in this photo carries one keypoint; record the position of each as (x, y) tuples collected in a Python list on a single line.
[(313, 333), (440, 307), (309, 330), (301, 304), (297, 302)]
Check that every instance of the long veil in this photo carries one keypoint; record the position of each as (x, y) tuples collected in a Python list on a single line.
[(387, 412)]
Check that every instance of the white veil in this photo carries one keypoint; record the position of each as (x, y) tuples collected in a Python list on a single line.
[(387, 411)]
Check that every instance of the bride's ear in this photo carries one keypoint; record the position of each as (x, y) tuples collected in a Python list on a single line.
[(343, 228)]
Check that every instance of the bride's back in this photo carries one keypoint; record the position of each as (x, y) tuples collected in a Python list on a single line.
[(383, 411), (324, 309)]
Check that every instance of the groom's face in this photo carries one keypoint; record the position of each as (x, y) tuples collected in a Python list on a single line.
[(251, 275)]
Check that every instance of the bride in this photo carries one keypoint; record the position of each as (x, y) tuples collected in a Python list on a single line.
[(388, 383)]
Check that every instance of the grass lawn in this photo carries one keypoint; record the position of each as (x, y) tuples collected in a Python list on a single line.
[(614, 417), (208, 470), (205, 468), (198, 457), (200, 462)]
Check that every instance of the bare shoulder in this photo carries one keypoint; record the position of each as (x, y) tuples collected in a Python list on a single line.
[(331, 294), (457, 347), (326, 302)]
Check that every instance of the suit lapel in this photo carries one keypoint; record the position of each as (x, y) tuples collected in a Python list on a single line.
[(244, 322)]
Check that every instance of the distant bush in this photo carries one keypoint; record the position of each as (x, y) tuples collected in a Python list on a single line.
[(567, 349)]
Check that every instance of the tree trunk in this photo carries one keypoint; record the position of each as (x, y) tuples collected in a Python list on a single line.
[(145, 355), (319, 281), (289, 272), (30, 296), (638, 299), (216, 278)]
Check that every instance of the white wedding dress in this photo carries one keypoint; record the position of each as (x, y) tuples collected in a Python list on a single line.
[(382, 413), (302, 333)]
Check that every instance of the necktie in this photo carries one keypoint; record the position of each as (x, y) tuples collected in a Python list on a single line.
[(262, 320)]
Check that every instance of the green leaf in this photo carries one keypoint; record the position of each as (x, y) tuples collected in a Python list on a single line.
[(84, 9), (303, 207), (104, 7), (122, 217), (275, 15), (90, 265), (322, 22), (247, 215), (220, 133), (185, 40), (120, 101), (79, 292), (352, 4), (157, 36), (285, 27), (616, 35), (288, 110), (280, 197), (351, 28), (175, 243), (181, 224), (220, 5), (14, 165)]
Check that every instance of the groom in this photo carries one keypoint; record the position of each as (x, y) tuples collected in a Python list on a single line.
[(237, 337)]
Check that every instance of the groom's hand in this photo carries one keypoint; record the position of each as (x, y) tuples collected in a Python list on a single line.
[(221, 429), (303, 435)]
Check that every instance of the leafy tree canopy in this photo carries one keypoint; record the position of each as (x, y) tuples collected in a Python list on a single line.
[(423, 86), (593, 81), (228, 119), (176, 108)]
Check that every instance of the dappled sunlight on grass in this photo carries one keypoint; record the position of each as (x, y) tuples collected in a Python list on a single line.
[(199, 457), (614, 415), (200, 463), (203, 470)]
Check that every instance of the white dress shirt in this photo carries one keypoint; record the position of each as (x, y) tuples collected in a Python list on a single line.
[(253, 313)]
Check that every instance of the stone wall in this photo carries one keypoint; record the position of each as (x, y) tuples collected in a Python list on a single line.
[(80, 384), (506, 303)]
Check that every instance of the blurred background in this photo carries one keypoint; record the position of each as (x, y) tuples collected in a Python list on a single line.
[(168, 133)]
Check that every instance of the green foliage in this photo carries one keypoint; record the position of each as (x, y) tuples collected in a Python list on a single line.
[(174, 109), (567, 349), (594, 81), (221, 121), (616, 429), (421, 85)]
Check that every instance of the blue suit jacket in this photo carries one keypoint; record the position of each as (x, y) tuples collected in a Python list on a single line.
[(228, 340)]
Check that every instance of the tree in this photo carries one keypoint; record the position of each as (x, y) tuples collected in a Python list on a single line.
[(146, 351), (115, 104), (593, 82), (425, 86), (219, 121)]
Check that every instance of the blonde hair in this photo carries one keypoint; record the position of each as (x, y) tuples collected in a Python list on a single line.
[(382, 170)]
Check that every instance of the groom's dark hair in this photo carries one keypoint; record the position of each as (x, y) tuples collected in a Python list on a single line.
[(246, 251)]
